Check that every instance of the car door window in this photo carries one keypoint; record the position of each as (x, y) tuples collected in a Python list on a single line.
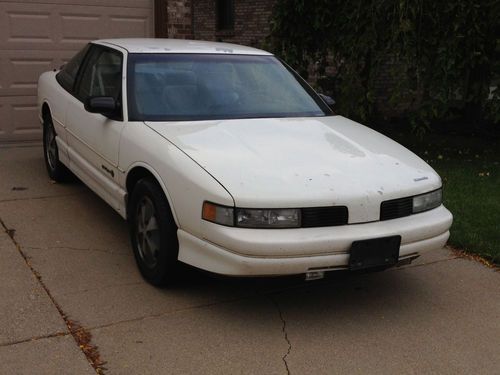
[(102, 75), (67, 76)]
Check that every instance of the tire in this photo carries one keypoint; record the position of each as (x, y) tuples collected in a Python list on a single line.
[(153, 233), (56, 170)]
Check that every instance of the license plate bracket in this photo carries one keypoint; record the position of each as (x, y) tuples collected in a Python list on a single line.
[(376, 252)]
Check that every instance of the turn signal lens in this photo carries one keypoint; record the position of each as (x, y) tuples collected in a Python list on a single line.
[(218, 214)]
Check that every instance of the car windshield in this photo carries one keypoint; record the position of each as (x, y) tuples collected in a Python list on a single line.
[(178, 87)]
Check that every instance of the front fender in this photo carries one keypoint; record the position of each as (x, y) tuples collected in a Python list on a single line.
[(158, 178), (185, 183)]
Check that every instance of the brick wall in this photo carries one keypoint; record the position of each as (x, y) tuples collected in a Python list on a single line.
[(196, 19), (204, 19), (251, 22), (179, 13)]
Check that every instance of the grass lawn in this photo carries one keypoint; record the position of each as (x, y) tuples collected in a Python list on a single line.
[(470, 169)]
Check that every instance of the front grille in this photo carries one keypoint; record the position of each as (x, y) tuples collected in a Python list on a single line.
[(396, 208), (324, 216)]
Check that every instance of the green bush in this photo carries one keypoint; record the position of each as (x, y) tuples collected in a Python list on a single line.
[(443, 56)]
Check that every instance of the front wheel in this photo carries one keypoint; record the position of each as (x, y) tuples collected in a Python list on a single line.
[(153, 233), (56, 170)]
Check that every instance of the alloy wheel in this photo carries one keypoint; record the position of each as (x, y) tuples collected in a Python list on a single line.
[(147, 232), (51, 146)]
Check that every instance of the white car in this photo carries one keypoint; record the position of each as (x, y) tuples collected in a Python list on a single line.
[(220, 156)]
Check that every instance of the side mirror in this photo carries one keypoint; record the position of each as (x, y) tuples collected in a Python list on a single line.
[(105, 105), (327, 99)]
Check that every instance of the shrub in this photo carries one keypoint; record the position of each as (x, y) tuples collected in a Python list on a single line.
[(444, 55)]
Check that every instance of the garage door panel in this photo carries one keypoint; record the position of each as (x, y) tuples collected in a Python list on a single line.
[(125, 26), (23, 115), (51, 26), (40, 35), (5, 127), (78, 28), (25, 67), (121, 3), (23, 25), (21, 120), (31, 26)]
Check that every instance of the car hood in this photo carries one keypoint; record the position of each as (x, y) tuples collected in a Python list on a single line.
[(303, 162)]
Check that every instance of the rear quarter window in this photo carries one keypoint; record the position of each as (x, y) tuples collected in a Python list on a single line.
[(67, 76)]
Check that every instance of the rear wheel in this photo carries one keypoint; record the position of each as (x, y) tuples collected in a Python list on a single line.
[(153, 233), (57, 171)]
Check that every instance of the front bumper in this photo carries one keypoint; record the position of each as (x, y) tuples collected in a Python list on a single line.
[(259, 252)]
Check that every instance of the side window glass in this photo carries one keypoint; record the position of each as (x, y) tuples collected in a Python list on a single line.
[(102, 75), (67, 76)]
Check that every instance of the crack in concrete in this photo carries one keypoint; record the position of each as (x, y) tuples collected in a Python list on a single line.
[(72, 248), (36, 338), (80, 334), (111, 286), (195, 307), (285, 335), (42, 197), (166, 313)]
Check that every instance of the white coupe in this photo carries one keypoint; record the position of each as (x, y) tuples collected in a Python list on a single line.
[(220, 156)]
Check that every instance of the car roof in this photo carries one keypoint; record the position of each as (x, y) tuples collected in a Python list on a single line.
[(157, 45)]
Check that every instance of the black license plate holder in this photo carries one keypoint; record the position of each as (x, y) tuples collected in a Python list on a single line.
[(376, 252)]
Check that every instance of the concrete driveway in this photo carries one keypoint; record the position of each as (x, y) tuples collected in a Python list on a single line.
[(70, 292)]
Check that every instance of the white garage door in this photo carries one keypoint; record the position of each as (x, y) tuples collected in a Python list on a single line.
[(37, 35)]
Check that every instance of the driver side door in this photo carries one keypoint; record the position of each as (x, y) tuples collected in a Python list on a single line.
[(93, 138)]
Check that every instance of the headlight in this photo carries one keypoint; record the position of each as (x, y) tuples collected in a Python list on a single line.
[(268, 218), (251, 218), (427, 201)]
